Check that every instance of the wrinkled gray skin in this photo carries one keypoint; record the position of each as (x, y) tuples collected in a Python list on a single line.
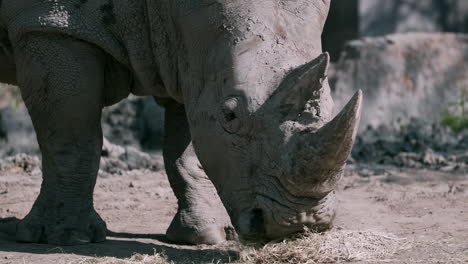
[(247, 103)]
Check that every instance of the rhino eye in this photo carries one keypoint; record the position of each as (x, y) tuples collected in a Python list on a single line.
[(231, 115), (229, 109)]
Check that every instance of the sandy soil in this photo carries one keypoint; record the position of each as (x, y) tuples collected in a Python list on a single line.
[(428, 208)]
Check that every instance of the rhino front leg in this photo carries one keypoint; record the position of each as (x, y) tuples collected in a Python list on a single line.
[(201, 217), (61, 81)]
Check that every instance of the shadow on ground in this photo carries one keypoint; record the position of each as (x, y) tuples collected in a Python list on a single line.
[(119, 245)]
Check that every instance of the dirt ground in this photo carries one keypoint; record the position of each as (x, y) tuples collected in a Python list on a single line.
[(427, 208)]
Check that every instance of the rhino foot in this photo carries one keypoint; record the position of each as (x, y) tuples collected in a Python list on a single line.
[(189, 229), (41, 226)]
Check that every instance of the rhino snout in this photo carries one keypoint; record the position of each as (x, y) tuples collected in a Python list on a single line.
[(273, 219)]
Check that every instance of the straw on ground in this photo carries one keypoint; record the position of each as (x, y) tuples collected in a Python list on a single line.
[(308, 248)]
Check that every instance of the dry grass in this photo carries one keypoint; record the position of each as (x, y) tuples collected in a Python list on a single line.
[(329, 247), (307, 248)]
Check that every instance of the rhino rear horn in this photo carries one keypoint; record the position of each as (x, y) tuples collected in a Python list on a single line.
[(301, 85)]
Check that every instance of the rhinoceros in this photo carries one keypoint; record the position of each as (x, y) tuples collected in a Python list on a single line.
[(247, 104)]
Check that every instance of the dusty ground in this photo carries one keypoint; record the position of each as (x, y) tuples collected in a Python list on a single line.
[(428, 208)]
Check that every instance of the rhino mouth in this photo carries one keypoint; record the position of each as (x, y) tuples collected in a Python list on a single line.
[(281, 219), (274, 220), (254, 224), (284, 214)]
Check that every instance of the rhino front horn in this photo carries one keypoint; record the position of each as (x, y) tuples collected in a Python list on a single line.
[(323, 154)]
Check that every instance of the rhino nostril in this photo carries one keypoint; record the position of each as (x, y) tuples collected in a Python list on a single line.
[(257, 223), (251, 225)]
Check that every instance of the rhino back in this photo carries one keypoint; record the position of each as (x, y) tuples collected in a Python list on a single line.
[(118, 27)]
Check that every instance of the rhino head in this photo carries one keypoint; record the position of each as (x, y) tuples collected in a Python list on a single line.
[(260, 111)]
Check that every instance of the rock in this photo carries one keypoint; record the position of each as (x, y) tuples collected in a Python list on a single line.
[(117, 159), (366, 173), (111, 150), (353, 19), (430, 158), (119, 124), (407, 160), (415, 145), (112, 166), (403, 76), (136, 159), (382, 17), (16, 132), (461, 158), (449, 168), (136, 122), (21, 163)]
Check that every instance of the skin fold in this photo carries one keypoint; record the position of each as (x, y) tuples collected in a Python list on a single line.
[(251, 148), (7, 64)]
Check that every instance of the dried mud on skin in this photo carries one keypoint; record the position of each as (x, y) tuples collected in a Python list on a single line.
[(419, 214)]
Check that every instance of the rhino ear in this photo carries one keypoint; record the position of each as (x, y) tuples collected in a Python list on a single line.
[(301, 85)]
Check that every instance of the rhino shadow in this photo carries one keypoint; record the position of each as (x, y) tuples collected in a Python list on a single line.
[(115, 246)]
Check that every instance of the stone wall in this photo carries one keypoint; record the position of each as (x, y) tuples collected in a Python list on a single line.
[(404, 76), (382, 17), (353, 19)]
